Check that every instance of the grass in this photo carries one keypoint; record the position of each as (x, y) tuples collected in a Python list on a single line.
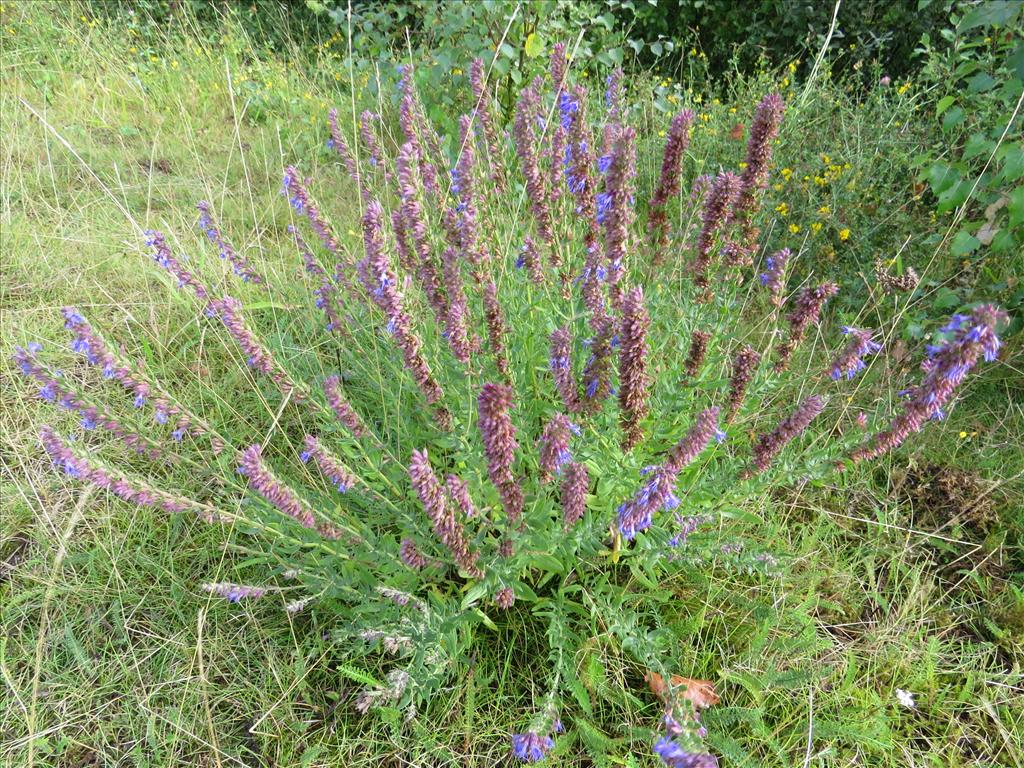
[(906, 575)]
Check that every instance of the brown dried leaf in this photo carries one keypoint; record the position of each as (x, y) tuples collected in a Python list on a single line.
[(700, 693)]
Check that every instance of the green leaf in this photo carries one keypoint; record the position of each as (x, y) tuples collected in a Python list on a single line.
[(534, 45), (945, 298), (953, 118), (992, 12), (980, 83), (546, 562), (963, 243), (353, 673), (944, 103), (1016, 207)]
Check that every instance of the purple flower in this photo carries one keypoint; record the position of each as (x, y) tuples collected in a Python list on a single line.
[(499, 437), (657, 493), (850, 361), (673, 755), (436, 504), (225, 250), (770, 444), (531, 747), (974, 338), (633, 377)]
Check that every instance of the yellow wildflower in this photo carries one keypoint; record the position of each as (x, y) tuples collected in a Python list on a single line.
[(786, 173), (782, 209), (816, 227), (824, 210), (794, 228), (844, 234)]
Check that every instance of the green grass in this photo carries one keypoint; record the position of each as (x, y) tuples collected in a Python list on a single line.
[(110, 652)]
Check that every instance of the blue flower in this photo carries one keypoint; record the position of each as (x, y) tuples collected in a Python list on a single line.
[(531, 747)]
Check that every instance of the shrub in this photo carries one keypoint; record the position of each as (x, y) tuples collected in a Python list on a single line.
[(493, 414)]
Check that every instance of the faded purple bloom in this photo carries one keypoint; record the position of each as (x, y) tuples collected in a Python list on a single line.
[(658, 492), (331, 466), (528, 161), (554, 446), (135, 492), (55, 388), (773, 278), (619, 189), (456, 324), (411, 556), (458, 493), (668, 183), (716, 208), (294, 188), (598, 368), (482, 111), (163, 256), (447, 528), (338, 144), (382, 286), (504, 598), (763, 130), (744, 366), (948, 363), (850, 361), (770, 444), (229, 310), (373, 148), (698, 351), (415, 225), (234, 593), (499, 437), (239, 265), (805, 313), (263, 481), (633, 377), (561, 369), (575, 484), (342, 409), (531, 260)]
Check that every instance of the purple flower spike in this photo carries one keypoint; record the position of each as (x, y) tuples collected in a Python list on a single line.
[(634, 380), (294, 188), (436, 504), (850, 361), (531, 747), (806, 312), (974, 338), (499, 436), (668, 184), (263, 481), (163, 256), (554, 446), (239, 265), (235, 593), (674, 756), (331, 466), (769, 445), (657, 493), (773, 278), (575, 484)]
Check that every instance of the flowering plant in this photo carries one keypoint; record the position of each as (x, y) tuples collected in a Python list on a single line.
[(494, 412)]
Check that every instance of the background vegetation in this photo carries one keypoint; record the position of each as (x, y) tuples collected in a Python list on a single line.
[(907, 576)]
